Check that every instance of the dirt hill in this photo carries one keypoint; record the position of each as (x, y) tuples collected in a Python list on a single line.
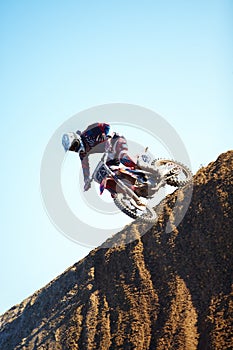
[(162, 291)]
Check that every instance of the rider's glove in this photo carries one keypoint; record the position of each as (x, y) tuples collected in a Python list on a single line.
[(87, 184)]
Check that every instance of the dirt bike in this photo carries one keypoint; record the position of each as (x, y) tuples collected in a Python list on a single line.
[(132, 188)]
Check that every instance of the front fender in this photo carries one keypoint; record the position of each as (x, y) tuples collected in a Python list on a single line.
[(109, 184)]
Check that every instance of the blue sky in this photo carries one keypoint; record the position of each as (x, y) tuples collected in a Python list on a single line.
[(58, 58)]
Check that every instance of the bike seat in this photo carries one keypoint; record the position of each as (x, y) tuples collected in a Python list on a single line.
[(136, 172)]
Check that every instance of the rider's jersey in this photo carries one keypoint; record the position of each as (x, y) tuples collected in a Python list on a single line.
[(96, 140), (94, 134)]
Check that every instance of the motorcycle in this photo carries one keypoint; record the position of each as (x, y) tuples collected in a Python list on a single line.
[(131, 189)]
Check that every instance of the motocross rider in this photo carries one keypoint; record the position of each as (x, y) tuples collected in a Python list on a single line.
[(96, 139)]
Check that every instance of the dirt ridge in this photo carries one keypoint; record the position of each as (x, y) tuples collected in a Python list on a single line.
[(162, 291)]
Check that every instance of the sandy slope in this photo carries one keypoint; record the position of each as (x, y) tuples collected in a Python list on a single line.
[(162, 291)]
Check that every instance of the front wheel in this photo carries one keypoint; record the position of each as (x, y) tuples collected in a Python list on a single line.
[(124, 204), (176, 173)]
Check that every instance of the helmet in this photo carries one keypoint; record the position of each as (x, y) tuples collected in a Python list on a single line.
[(72, 142)]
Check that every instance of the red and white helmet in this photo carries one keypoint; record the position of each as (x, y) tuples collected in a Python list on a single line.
[(72, 142)]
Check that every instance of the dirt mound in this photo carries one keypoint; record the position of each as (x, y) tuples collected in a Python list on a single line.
[(162, 291)]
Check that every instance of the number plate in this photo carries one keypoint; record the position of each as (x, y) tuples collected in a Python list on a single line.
[(146, 158), (101, 173)]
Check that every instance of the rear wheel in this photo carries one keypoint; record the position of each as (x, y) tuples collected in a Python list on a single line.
[(177, 174), (124, 204)]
